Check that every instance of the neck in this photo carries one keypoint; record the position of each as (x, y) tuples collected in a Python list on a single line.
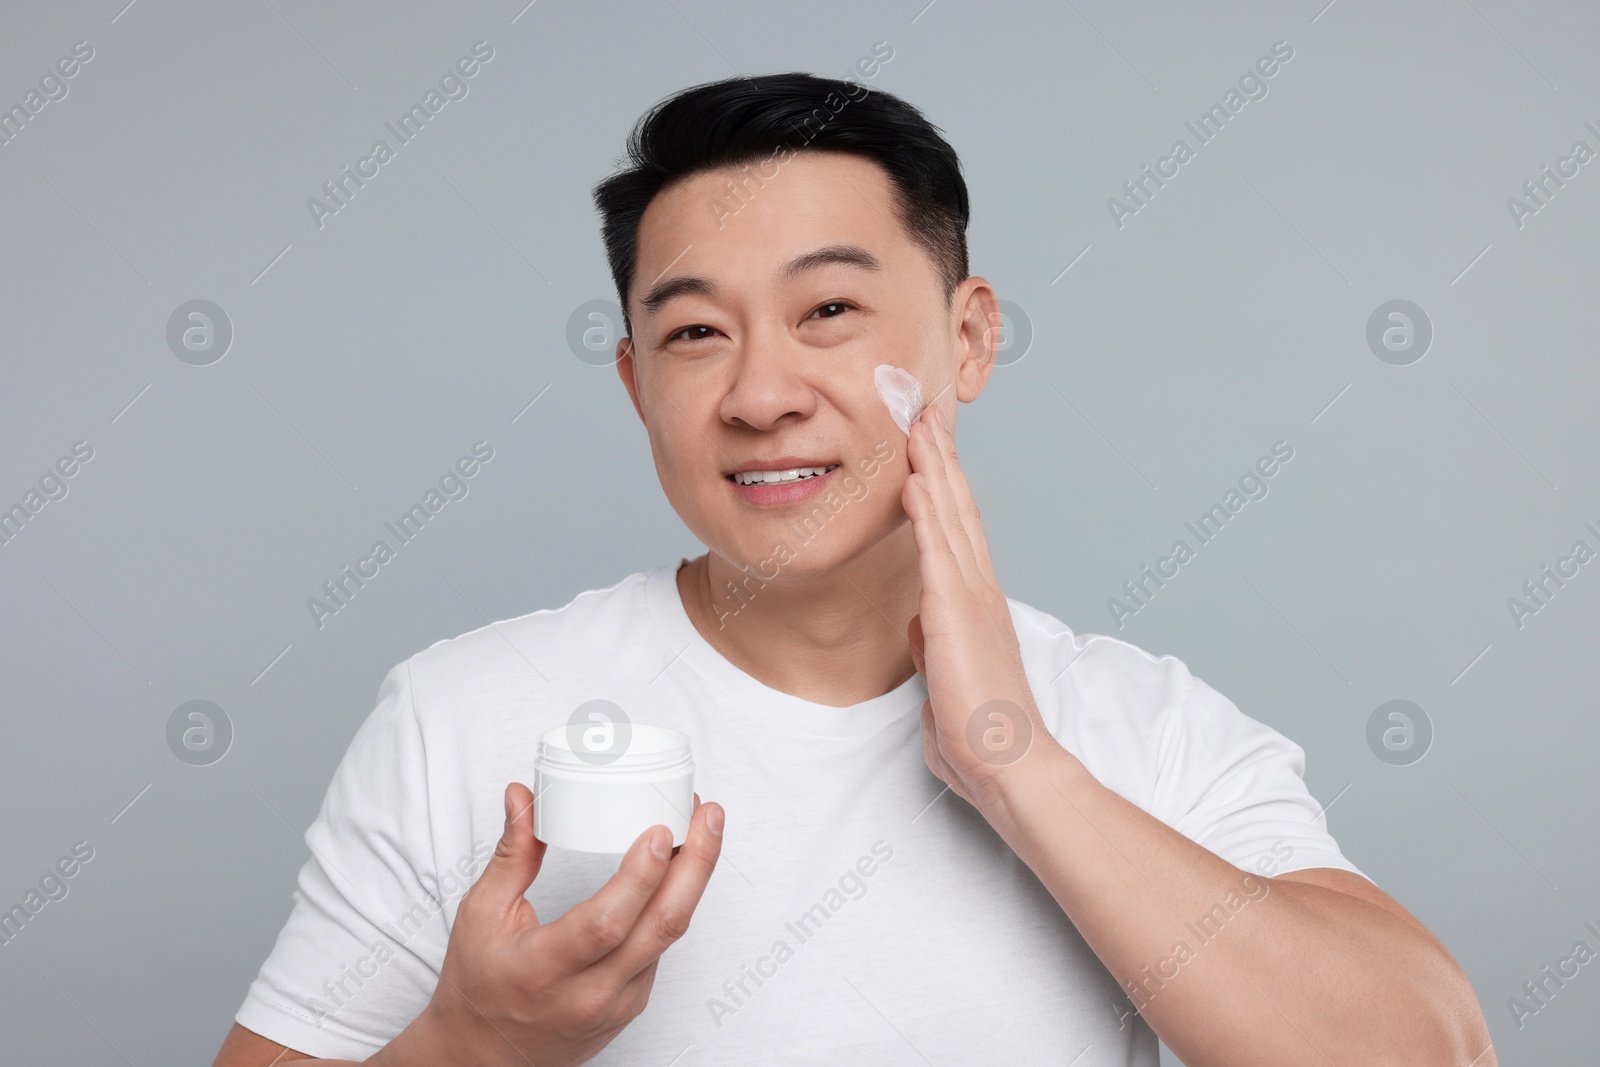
[(836, 639)]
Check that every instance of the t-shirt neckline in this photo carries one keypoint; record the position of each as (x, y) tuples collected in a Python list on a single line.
[(693, 650)]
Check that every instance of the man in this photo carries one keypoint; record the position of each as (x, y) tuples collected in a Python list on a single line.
[(1125, 854)]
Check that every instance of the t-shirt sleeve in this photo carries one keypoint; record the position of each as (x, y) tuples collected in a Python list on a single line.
[(1236, 786), (358, 958)]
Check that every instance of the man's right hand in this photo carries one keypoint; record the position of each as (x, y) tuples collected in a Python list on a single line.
[(514, 990)]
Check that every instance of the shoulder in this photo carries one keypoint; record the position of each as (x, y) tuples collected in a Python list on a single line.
[(577, 638), (1123, 711), (1104, 675), (1168, 741)]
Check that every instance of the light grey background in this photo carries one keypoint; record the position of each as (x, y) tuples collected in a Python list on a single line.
[(369, 354)]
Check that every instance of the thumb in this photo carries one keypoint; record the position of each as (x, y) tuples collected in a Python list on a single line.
[(517, 855), (915, 640)]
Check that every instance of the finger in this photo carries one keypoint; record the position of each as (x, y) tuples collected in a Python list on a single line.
[(935, 470), (666, 919), (930, 739), (961, 492), (678, 848), (517, 857), (636, 991), (948, 501), (936, 560), (592, 928)]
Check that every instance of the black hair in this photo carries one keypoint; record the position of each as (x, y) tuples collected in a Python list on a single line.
[(771, 116)]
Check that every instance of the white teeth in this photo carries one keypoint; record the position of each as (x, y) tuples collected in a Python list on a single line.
[(779, 477)]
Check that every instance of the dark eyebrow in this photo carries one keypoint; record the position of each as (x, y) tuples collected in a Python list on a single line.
[(849, 255), (679, 286), (844, 254)]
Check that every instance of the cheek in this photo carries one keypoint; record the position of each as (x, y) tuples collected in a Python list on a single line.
[(882, 474), (680, 464), (900, 392)]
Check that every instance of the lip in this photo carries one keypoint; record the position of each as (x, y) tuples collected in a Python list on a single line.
[(790, 492)]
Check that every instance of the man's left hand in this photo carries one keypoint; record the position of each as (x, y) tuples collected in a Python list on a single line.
[(980, 719)]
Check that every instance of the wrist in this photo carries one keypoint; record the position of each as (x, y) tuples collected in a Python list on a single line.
[(1010, 797), (423, 1041)]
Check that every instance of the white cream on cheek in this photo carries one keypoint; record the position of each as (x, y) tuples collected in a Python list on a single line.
[(901, 394)]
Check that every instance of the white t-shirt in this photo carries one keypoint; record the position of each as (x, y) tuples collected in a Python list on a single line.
[(856, 915)]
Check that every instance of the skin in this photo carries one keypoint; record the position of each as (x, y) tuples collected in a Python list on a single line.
[(759, 359)]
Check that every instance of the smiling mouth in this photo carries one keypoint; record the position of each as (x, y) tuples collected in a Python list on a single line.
[(783, 477)]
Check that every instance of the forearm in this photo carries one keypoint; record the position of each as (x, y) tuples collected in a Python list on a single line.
[(426, 1042), (1229, 968), (420, 1043)]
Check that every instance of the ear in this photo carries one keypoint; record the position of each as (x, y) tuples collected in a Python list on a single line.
[(978, 335), (627, 371)]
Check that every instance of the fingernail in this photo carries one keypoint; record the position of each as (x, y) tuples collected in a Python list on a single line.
[(661, 844), (508, 804), (714, 820)]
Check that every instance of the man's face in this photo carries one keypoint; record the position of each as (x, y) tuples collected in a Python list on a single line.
[(753, 356)]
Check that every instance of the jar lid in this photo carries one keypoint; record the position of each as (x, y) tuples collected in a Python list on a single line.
[(624, 746)]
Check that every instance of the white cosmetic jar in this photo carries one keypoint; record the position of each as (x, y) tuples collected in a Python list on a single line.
[(599, 797)]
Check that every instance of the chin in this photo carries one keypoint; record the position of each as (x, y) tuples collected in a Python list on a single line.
[(806, 544)]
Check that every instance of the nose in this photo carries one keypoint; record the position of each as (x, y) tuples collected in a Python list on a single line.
[(768, 385)]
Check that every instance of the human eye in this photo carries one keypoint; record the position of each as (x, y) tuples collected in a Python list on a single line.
[(691, 333), (832, 309)]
